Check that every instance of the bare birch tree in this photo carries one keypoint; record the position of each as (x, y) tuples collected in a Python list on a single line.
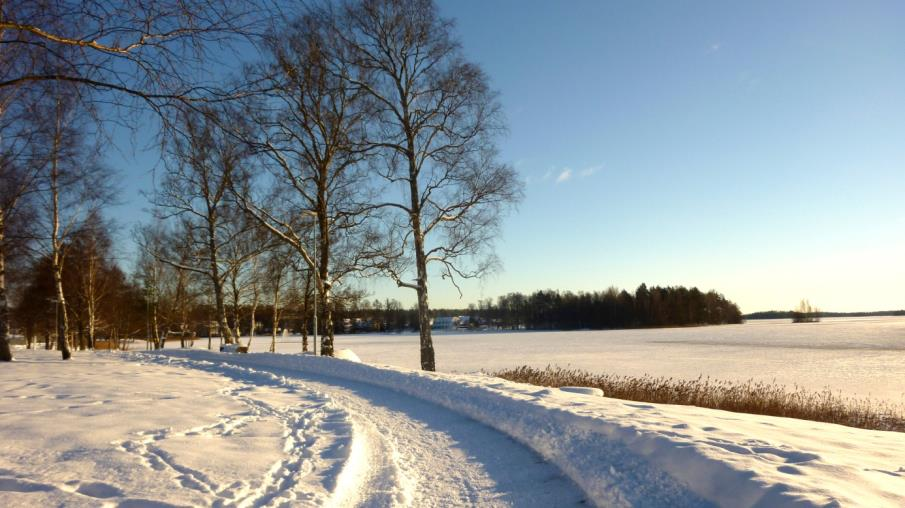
[(19, 173), (92, 246), (278, 268), (74, 185), (200, 164), (310, 136), (21, 162), (182, 293), (241, 259), (16, 184), (149, 275), (436, 129)]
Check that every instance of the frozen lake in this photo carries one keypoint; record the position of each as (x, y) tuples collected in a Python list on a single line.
[(857, 356)]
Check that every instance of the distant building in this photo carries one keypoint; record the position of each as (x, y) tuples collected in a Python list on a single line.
[(450, 322), (360, 325), (443, 323)]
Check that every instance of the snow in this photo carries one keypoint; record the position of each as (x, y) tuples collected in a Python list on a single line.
[(346, 354), (261, 429), (144, 430), (583, 390), (860, 357), (229, 348), (101, 428)]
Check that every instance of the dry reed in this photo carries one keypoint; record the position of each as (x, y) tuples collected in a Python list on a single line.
[(755, 397)]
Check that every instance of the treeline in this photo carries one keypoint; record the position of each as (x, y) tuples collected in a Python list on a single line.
[(105, 306), (565, 310), (789, 314), (101, 302)]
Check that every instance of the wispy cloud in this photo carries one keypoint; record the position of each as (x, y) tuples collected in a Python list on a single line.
[(715, 47), (564, 175), (590, 170)]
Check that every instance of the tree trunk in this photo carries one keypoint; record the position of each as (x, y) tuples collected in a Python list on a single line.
[(306, 301), (324, 268), (83, 338), (220, 307), (223, 324), (90, 294), (327, 304), (63, 318), (251, 327), (424, 320), (237, 332), (155, 326), (6, 353), (254, 301), (62, 325), (92, 319), (276, 316), (183, 308)]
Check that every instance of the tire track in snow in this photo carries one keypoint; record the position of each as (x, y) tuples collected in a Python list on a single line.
[(407, 452)]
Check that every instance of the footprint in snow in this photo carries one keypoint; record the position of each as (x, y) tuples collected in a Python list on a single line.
[(98, 490)]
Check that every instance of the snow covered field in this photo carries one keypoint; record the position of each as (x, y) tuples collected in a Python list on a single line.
[(200, 428), (859, 357)]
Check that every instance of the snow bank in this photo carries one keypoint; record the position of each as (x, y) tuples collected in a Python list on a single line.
[(622, 453), (346, 354), (583, 390), (229, 348)]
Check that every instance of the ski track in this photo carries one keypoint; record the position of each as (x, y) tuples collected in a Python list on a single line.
[(367, 446), (306, 451)]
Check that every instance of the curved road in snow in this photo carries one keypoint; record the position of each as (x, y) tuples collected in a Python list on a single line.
[(401, 451)]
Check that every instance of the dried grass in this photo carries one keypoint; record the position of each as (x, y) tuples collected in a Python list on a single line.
[(755, 397)]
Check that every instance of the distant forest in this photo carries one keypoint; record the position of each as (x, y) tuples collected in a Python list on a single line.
[(788, 314), (564, 310)]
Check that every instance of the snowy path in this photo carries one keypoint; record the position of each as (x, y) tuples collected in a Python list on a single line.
[(407, 452), (102, 430)]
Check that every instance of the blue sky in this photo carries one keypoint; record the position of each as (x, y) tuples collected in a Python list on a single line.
[(753, 148)]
